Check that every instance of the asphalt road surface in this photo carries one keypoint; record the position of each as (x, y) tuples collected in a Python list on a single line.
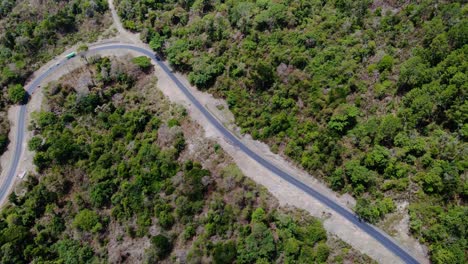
[(384, 239)]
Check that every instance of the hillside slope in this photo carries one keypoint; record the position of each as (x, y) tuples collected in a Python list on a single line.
[(126, 177), (368, 95)]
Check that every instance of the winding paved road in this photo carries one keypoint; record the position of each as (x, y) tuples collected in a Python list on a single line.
[(384, 239)]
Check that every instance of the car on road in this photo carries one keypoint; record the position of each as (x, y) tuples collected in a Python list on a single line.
[(70, 55)]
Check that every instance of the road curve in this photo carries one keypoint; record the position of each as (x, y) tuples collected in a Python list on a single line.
[(372, 231)]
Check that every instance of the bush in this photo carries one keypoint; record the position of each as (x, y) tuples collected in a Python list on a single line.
[(374, 211), (322, 252), (161, 245), (173, 123), (258, 215), (17, 94), (344, 118), (71, 251), (35, 143), (414, 72), (143, 62), (3, 142), (377, 159), (224, 253), (359, 175), (156, 42), (386, 63), (166, 219)]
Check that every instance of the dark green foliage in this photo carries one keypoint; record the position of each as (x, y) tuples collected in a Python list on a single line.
[(3, 142), (359, 176), (35, 143), (258, 245), (156, 42), (162, 246), (6, 7), (224, 253), (377, 159)]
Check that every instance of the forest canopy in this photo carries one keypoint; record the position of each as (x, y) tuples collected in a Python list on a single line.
[(116, 184), (369, 96)]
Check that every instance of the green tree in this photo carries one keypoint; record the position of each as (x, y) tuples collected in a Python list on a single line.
[(162, 246), (258, 215), (386, 63), (414, 72), (377, 159), (157, 42), (359, 175), (344, 118), (259, 244), (366, 211), (263, 75), (374, 211)]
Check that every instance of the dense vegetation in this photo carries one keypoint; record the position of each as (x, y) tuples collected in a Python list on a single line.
[(116, 185), (32, 32), (370, 96)]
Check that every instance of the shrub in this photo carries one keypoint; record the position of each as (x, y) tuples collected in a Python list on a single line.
[(374, 211), (87, 220), (143, 62), (35, 143), (386, 63), (224, 253), (322, 252), (17, 94), (161, 245)]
